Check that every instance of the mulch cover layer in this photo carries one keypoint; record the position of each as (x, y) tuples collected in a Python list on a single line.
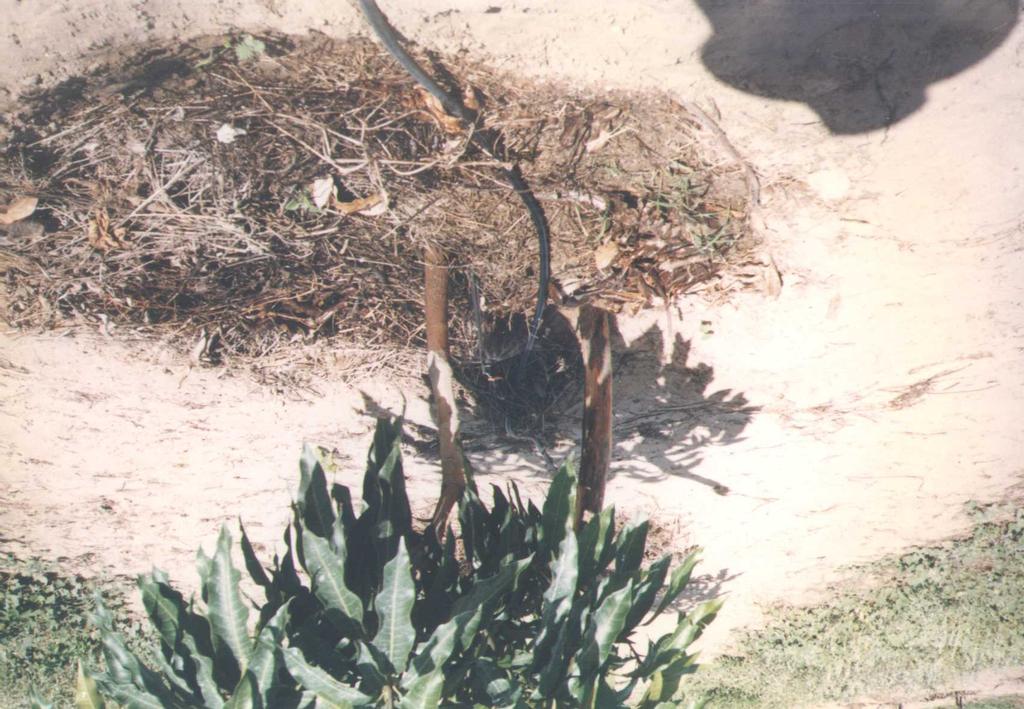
[(263, 191)]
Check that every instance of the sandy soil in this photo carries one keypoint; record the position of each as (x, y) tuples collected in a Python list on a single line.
[(850, 417)]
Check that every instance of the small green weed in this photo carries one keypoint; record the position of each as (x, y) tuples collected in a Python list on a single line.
[(44, 630)]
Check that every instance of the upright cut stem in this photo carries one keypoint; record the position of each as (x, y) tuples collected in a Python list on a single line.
[(596, 346), (446, 416)]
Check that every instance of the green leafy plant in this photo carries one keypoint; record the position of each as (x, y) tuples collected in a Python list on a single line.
[(362, 610)]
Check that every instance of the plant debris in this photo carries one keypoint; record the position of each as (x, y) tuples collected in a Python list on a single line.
[(270, 190)]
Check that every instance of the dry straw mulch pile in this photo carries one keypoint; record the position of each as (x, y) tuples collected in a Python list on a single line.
[(267, 190)]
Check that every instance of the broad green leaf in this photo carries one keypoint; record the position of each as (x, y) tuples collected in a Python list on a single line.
[(252, 564), (680, 577), (164, 606), (425, 678), (559, 515), (425, 692), (125, 669), (647, 590), (86, 694), (557, 603), (325, 687), (665, 682), (178, 628), (595, 542), (228, 612), (246, 694), (326, 568), (128, 695), (564, 578), (204, 565), (386, 439), (554, 667), (373, 667), (264, 662), (603, 630), (204, 673), (393, 604), (630, 546), (316, 510)]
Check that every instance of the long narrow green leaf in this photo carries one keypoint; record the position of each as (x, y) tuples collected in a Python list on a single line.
[(665, 682), (595, 545), (326, 568), (680, 577), (204, 678), (128, 695), (425, 678), (178, 627), (325, 687), (647, 590), (164, 606), (252, 564), (603, 630), (564, 578), (425, 692), (559, 514), (265, 657), (373, 668), (86, 694), (125, 669), (246, 694), (393, 604), (554, 668), (228, 612), (314, 502), (386, 438), (556, 605), (630, 549)]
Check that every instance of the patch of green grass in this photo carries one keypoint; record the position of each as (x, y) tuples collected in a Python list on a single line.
[(1015, 702), (909, 624), (44, 630)]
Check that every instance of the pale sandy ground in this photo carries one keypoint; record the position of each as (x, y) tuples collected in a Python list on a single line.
[(887, 377)]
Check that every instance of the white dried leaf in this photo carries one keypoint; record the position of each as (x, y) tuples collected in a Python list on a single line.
[(322, 191), (20, 208), (227, 133)]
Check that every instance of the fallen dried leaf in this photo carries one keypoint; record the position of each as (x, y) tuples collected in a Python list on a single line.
[(19, 209), (605, 254), (227, 133), (371, 206), (604, 138), (100, 235), (323, 191)]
